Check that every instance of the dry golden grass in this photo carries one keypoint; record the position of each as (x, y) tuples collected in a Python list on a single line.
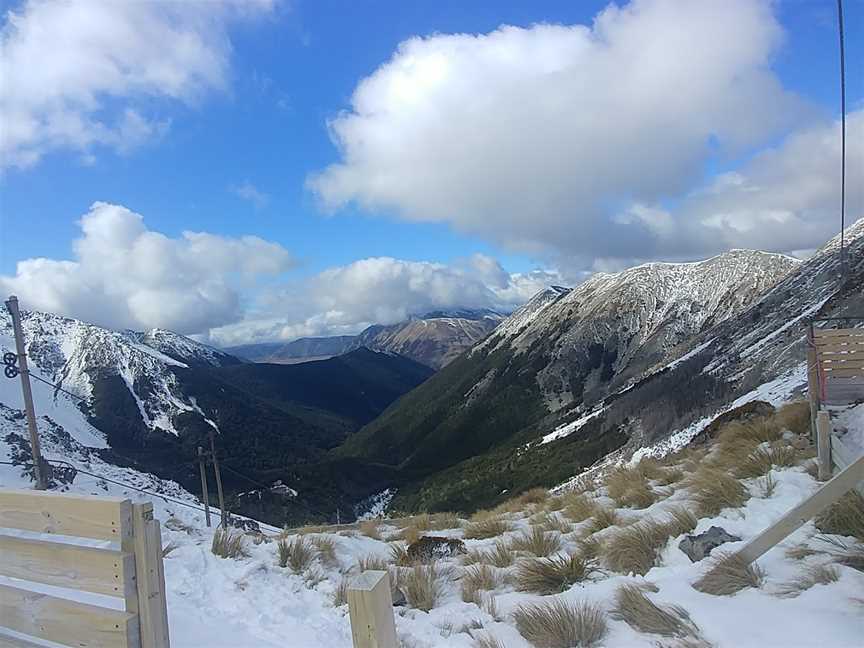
[(369, 528), (767, 485), (579, 507), (812, 575), (488, 527), (845, 517), (553, 575), (421, 586), (399, 554), (371, 562), (340, 593), (755, 431), (228, 543), (533, 496), (590, 547), (537, 541), (636, 549), (794, 417), (296, 554), (501, 556), (713, 490), (551, 522), (730, 574), (486, 640), (801, 551), (762, 460), (561, 625), (476, 580), (850, 554), (603, 518), (326, 546), (410, 534), (643, 615)]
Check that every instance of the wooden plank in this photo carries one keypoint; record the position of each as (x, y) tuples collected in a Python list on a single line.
[(370, 607), (100, 518), (151, 602), (843, 373), (8, 641), (823, 445), (61, 620), (829, 493), (835, 333), (101, 571)]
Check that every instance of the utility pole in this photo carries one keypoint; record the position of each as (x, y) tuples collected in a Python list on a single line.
[(204, 494), (218, 481), (24, 372)]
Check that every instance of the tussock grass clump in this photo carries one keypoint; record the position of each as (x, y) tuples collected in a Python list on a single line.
[(371, 562), (846, 553), (603, 518), (553, 575), (728, 575), (502, 555), (755, 431), (399, 554), (845, 517), (800, 552), (340, 593), (579, 507), (421, 586), (643, 615), (794, 417), (561, 625), (590, 547), (713, 490), (228, 543), (477, 579), (297, 554), (486, 640), (813, 575), (636, 549), (551, 522), (762, 460), (533, 496), (767, 485), (629, 486), (369, 528), (326, 546), (489, 527), (538, 542)]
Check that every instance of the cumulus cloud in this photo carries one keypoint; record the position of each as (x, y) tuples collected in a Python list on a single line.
[(381, 290), (127, 276), (82, 74), (540, 138)]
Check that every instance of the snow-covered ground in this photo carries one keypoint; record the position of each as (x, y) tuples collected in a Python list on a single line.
[(251, 601)]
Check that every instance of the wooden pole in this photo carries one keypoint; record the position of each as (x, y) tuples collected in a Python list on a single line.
[(218, 481), (204, 493), (812, 382), (823, 445), (370, 607), (150, 577), (24, 372)]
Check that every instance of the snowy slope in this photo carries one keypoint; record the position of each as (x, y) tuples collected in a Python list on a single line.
[(79, 357)]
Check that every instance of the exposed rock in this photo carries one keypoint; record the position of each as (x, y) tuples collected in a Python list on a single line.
[(430, 548), (700, 546), (746, 412)]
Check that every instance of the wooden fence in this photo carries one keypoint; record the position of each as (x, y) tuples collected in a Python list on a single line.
[(128, 567), (835, 377)]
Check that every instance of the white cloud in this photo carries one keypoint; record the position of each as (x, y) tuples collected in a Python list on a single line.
[(127, 276), (537, 137), (381, 290), (82, 74), (250, 193)]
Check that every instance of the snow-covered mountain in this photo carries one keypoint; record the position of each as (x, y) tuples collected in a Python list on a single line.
[(434, 339), (622, 359), (88, 360)]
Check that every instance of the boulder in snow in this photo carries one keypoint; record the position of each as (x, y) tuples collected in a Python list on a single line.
[(430, 548), (700, 546)]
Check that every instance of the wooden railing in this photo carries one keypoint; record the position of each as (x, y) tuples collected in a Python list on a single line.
[(44, 540)]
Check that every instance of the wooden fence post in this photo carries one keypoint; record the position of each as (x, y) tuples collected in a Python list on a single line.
[(370, 607), (150, 576), (823, 445)]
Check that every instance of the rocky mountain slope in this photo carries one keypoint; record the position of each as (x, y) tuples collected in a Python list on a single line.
[(149, 399), (434, 339)]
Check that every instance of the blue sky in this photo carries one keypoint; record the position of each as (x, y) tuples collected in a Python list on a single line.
[(291, 67)]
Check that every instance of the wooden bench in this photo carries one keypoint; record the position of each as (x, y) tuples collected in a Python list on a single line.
[(128, 567)]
